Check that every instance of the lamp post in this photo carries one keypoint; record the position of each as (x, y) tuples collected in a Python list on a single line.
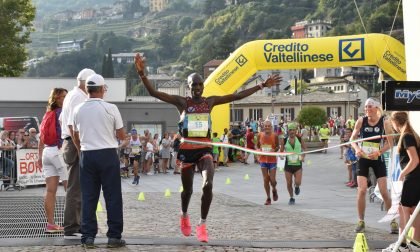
[(351, 91)]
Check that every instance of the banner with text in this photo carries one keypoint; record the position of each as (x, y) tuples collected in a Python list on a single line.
[(28, 171)]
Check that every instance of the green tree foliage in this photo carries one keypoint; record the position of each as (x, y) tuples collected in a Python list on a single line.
[(312, 116), (16, 18), (109, 65), (104, 71), (212, 6)]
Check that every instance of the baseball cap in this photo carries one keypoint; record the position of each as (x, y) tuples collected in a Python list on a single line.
[(95, 80), (291, 126), (82, 76)]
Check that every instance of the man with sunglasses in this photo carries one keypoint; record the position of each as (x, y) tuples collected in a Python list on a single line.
[(195, 124)]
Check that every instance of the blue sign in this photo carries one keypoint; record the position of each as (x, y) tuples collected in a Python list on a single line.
[(351, 49)]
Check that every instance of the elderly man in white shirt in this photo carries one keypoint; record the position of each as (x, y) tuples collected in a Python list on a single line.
[(97, 127), (72, 208)]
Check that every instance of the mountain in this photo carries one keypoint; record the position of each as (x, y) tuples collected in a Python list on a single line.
[(49, 7), (190, 33)]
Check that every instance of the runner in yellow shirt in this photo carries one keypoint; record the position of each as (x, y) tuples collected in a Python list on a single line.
[(324, 135)]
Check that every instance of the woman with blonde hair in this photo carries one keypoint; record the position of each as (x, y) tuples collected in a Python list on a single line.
[(408, 149), (50, 157)]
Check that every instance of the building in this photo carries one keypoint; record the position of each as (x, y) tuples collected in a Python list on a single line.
[(310, 29), (69, 46), (210, 66), (288, 106), (64, 16), (123, 58), (87, 14), (158, 5)]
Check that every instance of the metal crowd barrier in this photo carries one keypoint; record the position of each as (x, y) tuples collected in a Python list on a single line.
[(8, 171)]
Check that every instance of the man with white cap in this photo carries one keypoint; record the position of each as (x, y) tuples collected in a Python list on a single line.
[(97, 125), (370, 155), (72, 208)]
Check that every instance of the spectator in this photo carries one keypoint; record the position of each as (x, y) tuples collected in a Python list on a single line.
[(216, 151), (350, 122), (6, 158), (408, 150), (33, 141), (176, 145), (51, 158), (72, 205), (165, 152), (249, 144), (156, 156), (225, 139), (148, 159), (350, 160), (97, 125)]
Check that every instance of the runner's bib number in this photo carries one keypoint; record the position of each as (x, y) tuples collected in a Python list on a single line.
[(135, 150), (198, 125), (369, 148), (266, 148), (293, 160)]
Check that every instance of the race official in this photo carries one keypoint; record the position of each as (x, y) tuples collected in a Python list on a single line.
[(72, 207), (97, 125)]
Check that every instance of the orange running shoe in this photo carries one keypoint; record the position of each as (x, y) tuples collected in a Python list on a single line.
[(202, 233), (185, 225)]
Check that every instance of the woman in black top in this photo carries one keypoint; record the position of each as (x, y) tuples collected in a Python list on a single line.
[(408, 148)]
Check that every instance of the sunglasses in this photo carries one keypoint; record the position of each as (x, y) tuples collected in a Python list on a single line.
[(26, 135)]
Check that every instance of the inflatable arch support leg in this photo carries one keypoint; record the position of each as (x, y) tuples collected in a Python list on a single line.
[(356, 50)]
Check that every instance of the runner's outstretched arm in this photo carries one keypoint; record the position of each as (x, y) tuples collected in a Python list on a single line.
[(269, 82), (176, 100)]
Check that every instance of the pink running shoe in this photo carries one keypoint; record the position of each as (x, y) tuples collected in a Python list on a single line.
[(202, 233), (185, 225), (53, 228)]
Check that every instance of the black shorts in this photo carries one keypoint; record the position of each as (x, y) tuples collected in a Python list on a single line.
[(192, 156), (292, 168), (410, 195), (137, 158), (378, 167)]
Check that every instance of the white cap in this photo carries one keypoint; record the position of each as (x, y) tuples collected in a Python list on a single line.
[(82, 76), (95, 80)]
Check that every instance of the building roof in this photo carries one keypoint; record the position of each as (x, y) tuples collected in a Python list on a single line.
[(314, 97), (214, 62)]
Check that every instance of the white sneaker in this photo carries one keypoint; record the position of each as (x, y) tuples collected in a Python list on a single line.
[(390, 248), (150, 173)]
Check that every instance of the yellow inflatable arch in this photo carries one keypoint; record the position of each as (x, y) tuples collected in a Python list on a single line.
[(356, 50)]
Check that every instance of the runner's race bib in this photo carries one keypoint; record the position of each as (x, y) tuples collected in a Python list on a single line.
[(198, 125), (293, 159), (266, 148), (135, 150), (369, 148)]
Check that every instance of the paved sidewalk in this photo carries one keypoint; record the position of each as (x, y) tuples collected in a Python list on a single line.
[(324, 212)]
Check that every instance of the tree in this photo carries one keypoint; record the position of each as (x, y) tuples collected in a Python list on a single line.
[(312, 116), (212, 6), (104, 67), (16, 18), (109, 65)]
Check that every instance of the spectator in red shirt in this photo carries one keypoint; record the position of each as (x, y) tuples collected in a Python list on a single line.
[(331, 122), (249, 143)]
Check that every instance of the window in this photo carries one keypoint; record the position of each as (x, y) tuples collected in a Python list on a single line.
[(236, 115), (316, 27), (255, 114), (153, 128), (333, 112), (288, 114)]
